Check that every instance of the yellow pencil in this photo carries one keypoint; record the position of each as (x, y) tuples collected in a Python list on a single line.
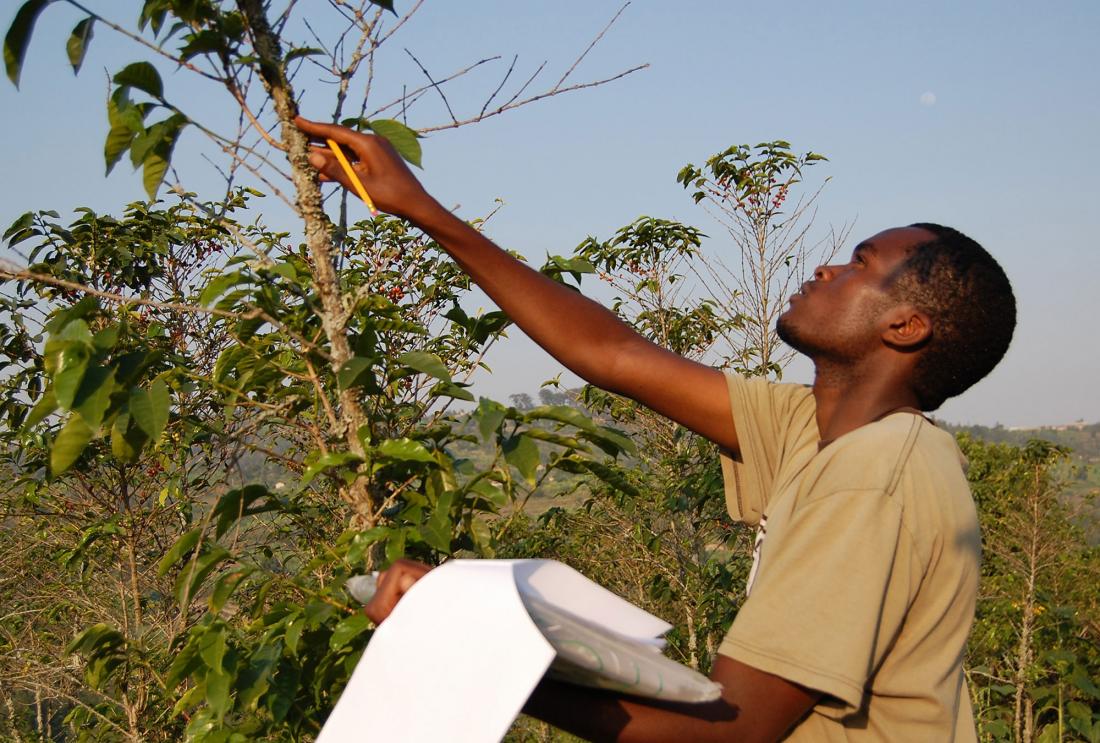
[(352, 176)]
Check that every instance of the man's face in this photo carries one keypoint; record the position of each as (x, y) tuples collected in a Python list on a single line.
[(837, 315)]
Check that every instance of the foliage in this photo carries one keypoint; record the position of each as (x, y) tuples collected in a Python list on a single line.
[(1033, 661), (754, 194), (149, 358), (173, 359)]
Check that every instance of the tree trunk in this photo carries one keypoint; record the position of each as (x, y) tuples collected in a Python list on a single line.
[(1023, 726), (318, 232)]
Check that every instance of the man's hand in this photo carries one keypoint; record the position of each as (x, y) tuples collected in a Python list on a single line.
[(392, 585), (388, 180)]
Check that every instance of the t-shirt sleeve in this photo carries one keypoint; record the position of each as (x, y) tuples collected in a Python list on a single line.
[(819, 614), (771, 420)]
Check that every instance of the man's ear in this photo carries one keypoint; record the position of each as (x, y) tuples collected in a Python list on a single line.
[(908, 329)]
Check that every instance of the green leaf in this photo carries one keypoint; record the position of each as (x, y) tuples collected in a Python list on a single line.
[(437, 532), (294, 628), (68, 445), (192, 576), (395, 545), (45, 405), (191, 698), (522, 453), (317, 613), (23, 223), (106, 339), (237, 503), (384, 4), (561, 414), (489, 415), (212, 649), (219, 285), (284, 692), (569, 442), (72, 363), (611, 441), (363, 540), (149, 408), (451, 389), (158, 139), (205, 41), (77, 45), (61, 319), (305, 51), (143, 76), (18, 36), (574, 266), (127, 439), (254, 679), (121, 133), (491, 492), (403, 139), (356, 372), (347, 630), (76, 330), (145, 142), (610, 475), (427, 363), (94, 640), (405, 449), (94, 396), (332, 459), (218, 685), (1080, 678), (183, 546), (155, 167)]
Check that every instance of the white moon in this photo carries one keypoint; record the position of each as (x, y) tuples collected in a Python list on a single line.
[(928, 98)]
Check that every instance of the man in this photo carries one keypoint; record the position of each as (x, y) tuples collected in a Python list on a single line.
[(864, 585)]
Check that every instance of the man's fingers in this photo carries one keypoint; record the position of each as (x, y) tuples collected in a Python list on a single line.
[(327, 131), (351, 139), (325, 163), (392, 585)]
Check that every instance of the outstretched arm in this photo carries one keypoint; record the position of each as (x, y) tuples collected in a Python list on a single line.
[(583, 335)]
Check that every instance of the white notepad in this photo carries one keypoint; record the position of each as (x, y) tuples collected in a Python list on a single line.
[(466, 646)]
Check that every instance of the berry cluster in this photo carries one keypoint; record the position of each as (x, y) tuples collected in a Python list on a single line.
[(203, 248)]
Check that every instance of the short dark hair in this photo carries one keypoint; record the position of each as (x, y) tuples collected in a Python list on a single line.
[(969, 299)]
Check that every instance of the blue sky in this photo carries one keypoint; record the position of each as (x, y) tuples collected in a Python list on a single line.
[(1007, 152)]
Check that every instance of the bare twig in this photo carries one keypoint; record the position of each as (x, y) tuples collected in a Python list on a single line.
[(548, 94), (507, 75), (595, 41), (434, 84), (405, 95)]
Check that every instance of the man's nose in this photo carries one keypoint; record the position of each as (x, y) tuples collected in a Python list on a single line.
[(823, 273)]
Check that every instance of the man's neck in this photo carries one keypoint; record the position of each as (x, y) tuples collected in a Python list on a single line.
[(849, 398)]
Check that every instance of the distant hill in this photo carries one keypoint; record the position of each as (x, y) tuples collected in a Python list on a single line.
[(1082, 475), (1082, 438)]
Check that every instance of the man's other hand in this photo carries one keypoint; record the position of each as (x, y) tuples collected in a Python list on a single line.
[(394, 583)]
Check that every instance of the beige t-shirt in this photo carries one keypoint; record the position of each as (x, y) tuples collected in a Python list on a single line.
[(868, 571)]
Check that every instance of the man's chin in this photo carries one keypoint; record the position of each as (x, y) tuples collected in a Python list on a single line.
[(787, 332)]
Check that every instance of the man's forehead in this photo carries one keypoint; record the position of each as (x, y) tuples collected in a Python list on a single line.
[(895, 242)]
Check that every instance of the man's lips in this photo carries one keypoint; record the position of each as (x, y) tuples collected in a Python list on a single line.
[(801, 291)]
